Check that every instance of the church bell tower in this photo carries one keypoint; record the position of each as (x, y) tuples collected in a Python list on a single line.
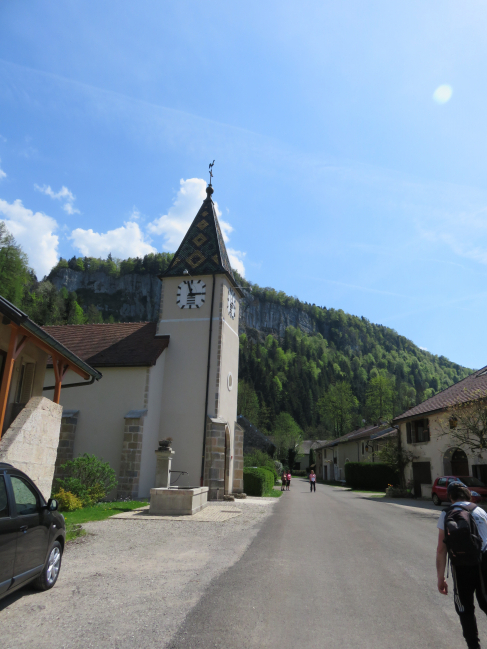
[(199, 310)]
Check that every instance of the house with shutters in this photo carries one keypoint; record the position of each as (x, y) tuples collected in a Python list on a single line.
[(425, 430), (360, 445)]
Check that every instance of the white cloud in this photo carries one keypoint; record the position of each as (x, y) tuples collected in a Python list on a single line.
[(236, 260), (34, 232), (125, 241), (423, 348), (174, 225), (64, 194), (2, 173), (443, 94)]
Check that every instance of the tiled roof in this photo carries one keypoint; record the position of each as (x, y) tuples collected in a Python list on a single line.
[(360, 433), (468, 389), (202, 251), (308, 444), (121, 344)]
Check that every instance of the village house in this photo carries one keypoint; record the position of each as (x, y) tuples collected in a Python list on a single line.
[(426, 431), (302, 462), (31, 425), (177, 378), (359, 445)]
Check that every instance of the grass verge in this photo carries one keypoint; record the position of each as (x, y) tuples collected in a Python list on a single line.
[(275, 493), (98, 512)]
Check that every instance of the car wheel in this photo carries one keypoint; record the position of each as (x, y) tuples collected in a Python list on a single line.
[(436, 500), (50, 572)]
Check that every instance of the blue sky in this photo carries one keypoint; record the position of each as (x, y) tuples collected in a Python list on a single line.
[(340, 176)]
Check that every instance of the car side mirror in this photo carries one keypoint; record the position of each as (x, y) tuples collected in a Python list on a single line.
[(52, 505)]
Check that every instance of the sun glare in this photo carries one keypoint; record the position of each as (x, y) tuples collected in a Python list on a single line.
[(443, 94)]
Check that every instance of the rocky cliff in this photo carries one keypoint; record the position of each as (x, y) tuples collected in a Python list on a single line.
[(135, 297)]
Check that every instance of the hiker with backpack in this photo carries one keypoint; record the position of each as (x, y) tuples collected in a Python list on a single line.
[(462, 539)]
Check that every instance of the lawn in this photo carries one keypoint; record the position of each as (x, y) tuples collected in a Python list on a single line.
[(98, 512)]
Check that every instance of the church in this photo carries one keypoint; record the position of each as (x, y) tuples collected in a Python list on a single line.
[(176, 378)]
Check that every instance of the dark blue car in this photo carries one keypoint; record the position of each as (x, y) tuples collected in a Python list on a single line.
[(32, 534)]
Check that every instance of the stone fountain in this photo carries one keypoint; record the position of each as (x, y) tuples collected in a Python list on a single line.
[(173, 501)]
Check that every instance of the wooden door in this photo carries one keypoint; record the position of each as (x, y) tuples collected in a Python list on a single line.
[(421, 475)]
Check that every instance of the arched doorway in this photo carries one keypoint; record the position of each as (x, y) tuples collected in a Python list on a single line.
[(459, 462)]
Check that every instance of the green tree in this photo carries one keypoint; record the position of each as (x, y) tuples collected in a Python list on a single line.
[(14, 271), (379, 398), (248, 403), (338, 406), (93, 316), (287, 436)]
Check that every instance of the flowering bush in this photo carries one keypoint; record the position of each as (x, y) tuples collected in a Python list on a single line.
[(67, 501)]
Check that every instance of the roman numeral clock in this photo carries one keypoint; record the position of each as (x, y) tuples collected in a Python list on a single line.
[(191, 294)]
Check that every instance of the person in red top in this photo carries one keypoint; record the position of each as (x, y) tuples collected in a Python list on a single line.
[(312, 481), (288, 481), (283, 480)]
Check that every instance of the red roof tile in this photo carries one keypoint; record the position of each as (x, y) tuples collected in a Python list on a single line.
[(121, 344), (468, 389)]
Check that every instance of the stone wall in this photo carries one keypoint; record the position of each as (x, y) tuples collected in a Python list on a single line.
[(31, 442), (128, 480), (65, 449), (214, 476), (238, 463)]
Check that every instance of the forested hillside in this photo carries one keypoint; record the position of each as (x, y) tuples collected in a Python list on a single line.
[(324, 369)]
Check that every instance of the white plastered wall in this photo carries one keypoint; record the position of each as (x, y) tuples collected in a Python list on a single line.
[(151, 423), (102, 407)]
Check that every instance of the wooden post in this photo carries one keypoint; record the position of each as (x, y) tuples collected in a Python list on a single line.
[(59, 372), (14, 349)]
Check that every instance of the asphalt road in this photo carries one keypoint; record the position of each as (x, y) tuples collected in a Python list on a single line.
[(331, 569)]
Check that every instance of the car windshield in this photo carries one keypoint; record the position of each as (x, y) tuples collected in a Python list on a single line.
[(471, 482)]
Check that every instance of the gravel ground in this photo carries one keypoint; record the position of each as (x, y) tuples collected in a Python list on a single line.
[(130, 582)]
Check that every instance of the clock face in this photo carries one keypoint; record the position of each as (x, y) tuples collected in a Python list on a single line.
[(231, 304), (191, 294)]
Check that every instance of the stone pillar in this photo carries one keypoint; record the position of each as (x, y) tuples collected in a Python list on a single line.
[(163, 468), (238, 464), (128, 481), (214, 476), (65, 451)]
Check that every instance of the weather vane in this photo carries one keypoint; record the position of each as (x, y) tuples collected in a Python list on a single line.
[(211, 170)]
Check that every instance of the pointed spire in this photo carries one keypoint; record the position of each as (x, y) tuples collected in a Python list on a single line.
[(202, 251)]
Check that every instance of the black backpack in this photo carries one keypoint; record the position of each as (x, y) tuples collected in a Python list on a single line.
[(462, 537)]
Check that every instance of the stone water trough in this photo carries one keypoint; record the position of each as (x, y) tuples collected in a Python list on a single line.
[(173, 501)]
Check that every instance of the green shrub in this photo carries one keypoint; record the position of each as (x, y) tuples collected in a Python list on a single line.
[(258, 481), (373, 476), (88, 478), (67, 501), (261, 460)]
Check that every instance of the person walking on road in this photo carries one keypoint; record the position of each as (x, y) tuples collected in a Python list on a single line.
[(283, 480), (288, 480), (312, 481), (462, 535)]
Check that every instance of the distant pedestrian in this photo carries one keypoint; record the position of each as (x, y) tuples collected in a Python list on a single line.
[(288, 480), (312, 481), (284, 480), (462, 534)]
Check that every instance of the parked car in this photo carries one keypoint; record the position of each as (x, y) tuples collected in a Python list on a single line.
[(32, 534), (440, 486)]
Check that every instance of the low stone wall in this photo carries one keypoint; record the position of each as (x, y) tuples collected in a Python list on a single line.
[(31, 442)]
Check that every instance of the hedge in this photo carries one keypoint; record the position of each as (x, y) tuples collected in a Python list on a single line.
[(257, 481), (369, 475)]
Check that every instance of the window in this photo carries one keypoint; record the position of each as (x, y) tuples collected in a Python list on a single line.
[(3, 499), (25, 497), (363, 448), (26, 381), (418, 431), (441, 482), (324, 453)]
